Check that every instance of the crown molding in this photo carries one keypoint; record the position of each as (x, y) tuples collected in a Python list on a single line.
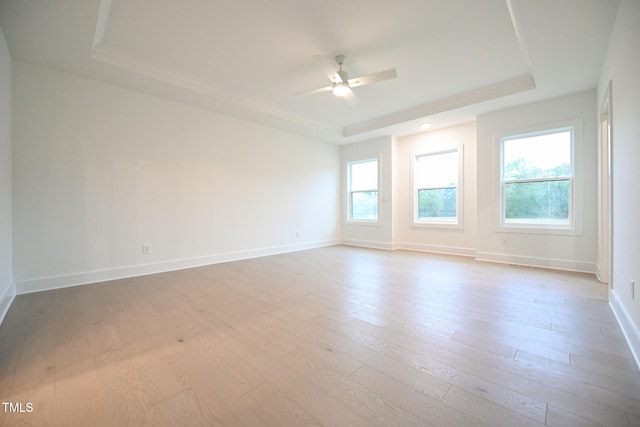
[(463, 99)]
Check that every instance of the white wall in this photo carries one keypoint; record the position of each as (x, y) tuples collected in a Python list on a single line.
[(622, 69), (572, 252), (7, 290), (460, 241), (379, 235), (99, 171)]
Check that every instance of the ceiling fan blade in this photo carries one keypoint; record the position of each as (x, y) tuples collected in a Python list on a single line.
[(373, 78), (322, 89), (342, 76), (351, 99)]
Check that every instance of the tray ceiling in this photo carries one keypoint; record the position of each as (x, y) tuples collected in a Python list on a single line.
[(254, 59)]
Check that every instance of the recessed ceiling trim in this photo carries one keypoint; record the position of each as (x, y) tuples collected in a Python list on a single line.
[(101, 22), (246, 109), (514, 12), (249, 108), (474, 96)]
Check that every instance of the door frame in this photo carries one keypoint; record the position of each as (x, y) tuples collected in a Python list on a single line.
[(605, 191)]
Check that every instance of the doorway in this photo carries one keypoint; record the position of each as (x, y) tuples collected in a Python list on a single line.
[(605, 195)]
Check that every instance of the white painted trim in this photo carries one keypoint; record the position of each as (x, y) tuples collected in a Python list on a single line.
[(598, 273), (629, 329), (458, 223), (88, 277), (516, 21), (576, 181), (474, 96), (243, 108), (435, 249), (369, 244), (552, 263), (6, 300), (348, 164), (101, 22)]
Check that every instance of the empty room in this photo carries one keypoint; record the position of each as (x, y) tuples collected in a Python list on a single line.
[(251, 213)]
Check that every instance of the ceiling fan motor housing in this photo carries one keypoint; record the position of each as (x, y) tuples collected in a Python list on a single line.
[(343, 76)]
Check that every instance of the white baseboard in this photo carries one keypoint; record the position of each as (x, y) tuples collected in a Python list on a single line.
[(435, 249), (555, 264), (369, 244), (629, 328), (6, 299), (88, 277), (446, 250)]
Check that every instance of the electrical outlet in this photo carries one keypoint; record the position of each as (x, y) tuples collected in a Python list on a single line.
[(146, 249), (297, 234), (633, 289)]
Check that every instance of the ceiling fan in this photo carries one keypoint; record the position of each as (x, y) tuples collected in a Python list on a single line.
[(341, 84)]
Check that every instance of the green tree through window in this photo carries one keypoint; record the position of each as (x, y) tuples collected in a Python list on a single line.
[(363, 190), (436, 187), (537, 178)]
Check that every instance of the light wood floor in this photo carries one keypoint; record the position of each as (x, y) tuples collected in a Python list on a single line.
[(335, 336)]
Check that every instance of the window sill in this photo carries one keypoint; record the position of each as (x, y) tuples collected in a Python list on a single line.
[(533, 229), (437, 225), (362, 222)]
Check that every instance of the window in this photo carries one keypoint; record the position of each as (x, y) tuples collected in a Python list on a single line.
[(363, 190), (537, 179), (436, 181)]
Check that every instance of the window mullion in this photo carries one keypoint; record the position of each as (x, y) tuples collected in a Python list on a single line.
[(437, 188), (521, 181)]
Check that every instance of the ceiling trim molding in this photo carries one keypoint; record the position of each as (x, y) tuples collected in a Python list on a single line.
[(516, 21), (250, 109), (243, 108), (101, 22), (463, 99)]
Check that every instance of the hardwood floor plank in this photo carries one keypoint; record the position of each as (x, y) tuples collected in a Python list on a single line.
[(121, 392), (377, 409), (75, 396), (538, 384), (321, 405), (217, 361), (557, 417), (332, 336), (418, 357), (215, 388), (300, 336), (183, 409), (10, 351), (275, 409), (41, 396), (634, 421), (485, 410), (433, 411), (630, 385), (613, 371)]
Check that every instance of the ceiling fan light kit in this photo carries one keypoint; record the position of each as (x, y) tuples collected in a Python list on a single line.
[(341, 89), (341, 85)]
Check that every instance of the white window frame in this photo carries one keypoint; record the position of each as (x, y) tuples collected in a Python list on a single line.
[(456, 222), (350, 218), (575, 182)]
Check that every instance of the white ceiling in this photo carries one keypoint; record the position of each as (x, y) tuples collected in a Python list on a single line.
[(251, 59)]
